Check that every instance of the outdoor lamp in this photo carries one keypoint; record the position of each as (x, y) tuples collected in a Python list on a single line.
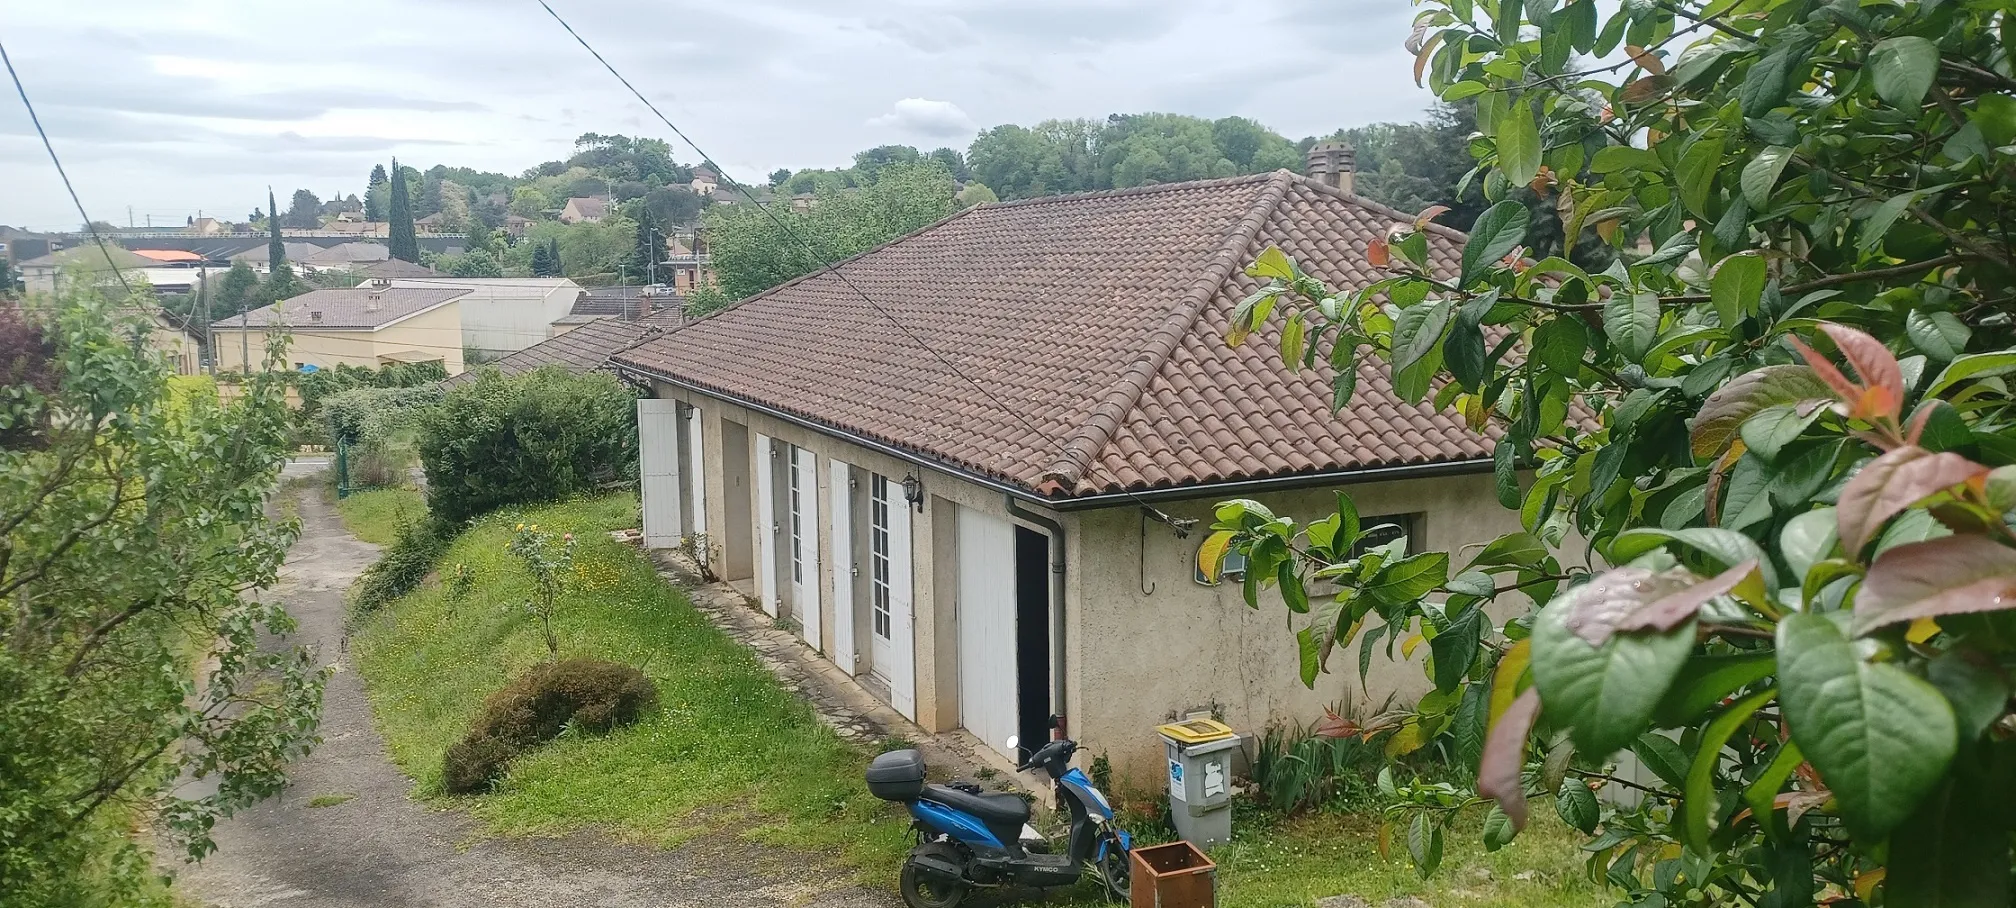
[(913, 491)]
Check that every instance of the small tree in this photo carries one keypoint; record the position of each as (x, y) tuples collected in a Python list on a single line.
[(375, 204), (276, 251), (551, 564)]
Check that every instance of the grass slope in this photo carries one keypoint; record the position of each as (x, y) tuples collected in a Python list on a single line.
[(732, 749), (374, 514), (729, 744)]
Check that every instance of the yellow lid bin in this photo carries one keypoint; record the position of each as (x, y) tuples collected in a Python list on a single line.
[(1196, 731)]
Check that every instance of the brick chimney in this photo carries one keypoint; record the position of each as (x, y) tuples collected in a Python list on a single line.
[(1333, 162), (374, 301)]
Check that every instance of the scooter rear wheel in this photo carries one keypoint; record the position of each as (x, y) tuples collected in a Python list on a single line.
[(922, 889)]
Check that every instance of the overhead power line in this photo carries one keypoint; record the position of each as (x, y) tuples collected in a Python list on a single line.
[(825, 266), (74, 200)]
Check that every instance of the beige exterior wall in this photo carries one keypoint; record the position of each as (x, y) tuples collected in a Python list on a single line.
[(1133, 660), (436, 332), (177, 347)]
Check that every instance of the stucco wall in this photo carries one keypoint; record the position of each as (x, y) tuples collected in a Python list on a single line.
[(436, 332), (1149, 658)]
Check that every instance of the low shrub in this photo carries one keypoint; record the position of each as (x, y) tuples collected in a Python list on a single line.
[(1299, 769), (538, 436), (406, 562), (379, 425), (587, 696)]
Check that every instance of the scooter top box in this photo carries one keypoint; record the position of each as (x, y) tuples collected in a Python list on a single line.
[(897, 775)]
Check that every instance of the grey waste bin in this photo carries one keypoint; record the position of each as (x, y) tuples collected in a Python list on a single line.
[(1200, 779)]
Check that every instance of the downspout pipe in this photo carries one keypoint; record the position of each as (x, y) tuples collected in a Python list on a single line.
[(1057, 650)]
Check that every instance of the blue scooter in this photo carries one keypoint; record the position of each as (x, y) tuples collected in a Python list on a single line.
[(968, 839)]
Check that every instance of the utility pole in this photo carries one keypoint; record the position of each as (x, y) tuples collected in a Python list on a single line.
[(203, 303), (245, 343)]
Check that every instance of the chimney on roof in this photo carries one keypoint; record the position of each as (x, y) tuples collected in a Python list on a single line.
[(374, 301), (1335, 163), (315, 316)]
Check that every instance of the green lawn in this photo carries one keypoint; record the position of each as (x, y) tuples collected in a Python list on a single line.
[(732, 749), (374, 514)]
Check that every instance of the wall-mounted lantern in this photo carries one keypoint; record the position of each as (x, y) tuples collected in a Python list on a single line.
[(913, 492)]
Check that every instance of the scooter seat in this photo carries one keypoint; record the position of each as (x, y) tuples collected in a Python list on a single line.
[(990, 808)]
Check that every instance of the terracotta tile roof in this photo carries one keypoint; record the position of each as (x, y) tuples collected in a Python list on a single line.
[(1099, 320), (583, 349)]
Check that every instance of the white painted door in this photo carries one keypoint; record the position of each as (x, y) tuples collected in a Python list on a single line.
[(891, 594), (696, 475), (766, 528), (805, 544), (842, 511), (658, 469), (986, 619)]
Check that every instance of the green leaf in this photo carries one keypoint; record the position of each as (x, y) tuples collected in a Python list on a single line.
[(1410, 578), (1973, 365), (1512, 550), (1273, 263), (1995, 114), (1498, 829), (1886, 215), (1708, 680), (1498, 231), (1464, 353), (1663, 756), (1424, 843), (1762, 793), (1770, 79), (1941, 335), (1606, 695), (1577, 806), (1293, 593), (1976, 688), (1903, 69), (1558, 345), (1292, 334), (1760, 176), (1725, 411), (1631, 320), (1416, 331), (1455, 647), (1772, 428), (1505, 473), (1472, 583), (1952, 852), (1736, 288), (1808, 539), (1344, 373), (1880, 736), (1696, 173), (1700, 799), (1469, 725), (1311, 651), (1365, 651), (1518, 138), (1619, 158), (1674, 249)]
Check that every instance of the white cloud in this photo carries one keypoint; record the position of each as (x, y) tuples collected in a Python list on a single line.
[(925, 117)]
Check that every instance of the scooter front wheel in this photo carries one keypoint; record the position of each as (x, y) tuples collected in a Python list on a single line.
[(1116, 872), (922, 888)]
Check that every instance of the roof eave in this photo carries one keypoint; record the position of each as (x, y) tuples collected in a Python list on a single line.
[(1284, 482)]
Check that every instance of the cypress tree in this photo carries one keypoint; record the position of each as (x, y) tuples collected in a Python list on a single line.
[(405, 246), (647, 237), (276, 253), (374, 195), (555, 266)]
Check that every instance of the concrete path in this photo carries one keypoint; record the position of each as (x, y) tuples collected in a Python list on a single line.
[(380, 849)]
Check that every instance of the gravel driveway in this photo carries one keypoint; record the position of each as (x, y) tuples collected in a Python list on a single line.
[(381, 849)]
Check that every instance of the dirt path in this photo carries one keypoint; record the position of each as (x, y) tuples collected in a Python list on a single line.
[(383, 850)]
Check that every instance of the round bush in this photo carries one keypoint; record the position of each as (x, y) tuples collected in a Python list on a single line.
[(539, 436), (591, 696)]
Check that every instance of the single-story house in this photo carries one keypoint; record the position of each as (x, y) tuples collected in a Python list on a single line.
[(393, 268), (347, 256), (587, 348), (584, 210), (260, 257), (502, 315), (365, 326), (41, 274), (957, 492), (625, 302)]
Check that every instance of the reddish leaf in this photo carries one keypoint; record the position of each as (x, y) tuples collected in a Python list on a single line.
[(1674, 609), (1716, 475), (1947, 576), (1646, 60), (1379, 253), (1893, 482), (1613, 598), (1421, 59), (1873, 362), (1428, 214), (1645, 88), (1336, 726), (1505, 756), (1723, 413), (1844, 389)]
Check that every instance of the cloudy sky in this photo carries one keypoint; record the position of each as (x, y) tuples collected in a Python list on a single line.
[(171, 107)]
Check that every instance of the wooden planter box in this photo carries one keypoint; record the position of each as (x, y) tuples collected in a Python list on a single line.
[(1176, 875)]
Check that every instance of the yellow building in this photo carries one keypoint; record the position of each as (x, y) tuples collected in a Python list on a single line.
[(364, 326)]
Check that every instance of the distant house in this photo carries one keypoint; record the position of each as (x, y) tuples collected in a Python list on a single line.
[(585, 349), (941, 489), (347, 256), (43, 274), (803, 201), (584, 210), (516, 226), (349, 217), (171, 341), (502, 315), (204, 227), (259, 257), (628, 303), (366, 326), (705, 180), (393, 268), (433, 223)]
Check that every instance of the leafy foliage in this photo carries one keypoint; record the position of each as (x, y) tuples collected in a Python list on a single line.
[(1776, 419), (538, 436), (550, 561), (405, 563), (752, 254), (136, 533)]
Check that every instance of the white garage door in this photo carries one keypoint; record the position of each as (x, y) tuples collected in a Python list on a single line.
[(986, 615)]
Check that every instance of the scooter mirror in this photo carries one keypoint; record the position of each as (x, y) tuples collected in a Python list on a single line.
[(1014, 743)]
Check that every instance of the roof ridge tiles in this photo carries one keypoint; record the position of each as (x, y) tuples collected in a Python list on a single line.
[(1081, 449), (1149, 189)]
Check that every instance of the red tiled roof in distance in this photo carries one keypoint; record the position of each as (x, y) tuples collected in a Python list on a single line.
[(1099, 321)]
